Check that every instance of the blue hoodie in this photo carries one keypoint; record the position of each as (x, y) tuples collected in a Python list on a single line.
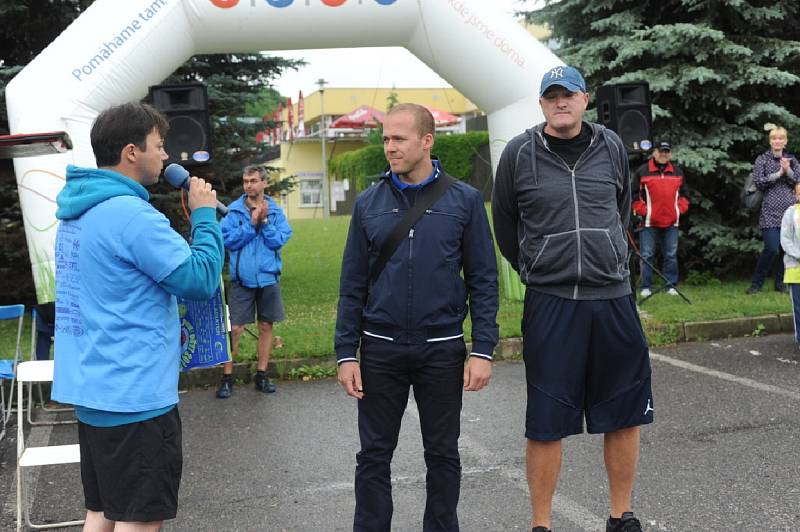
[(119, 266)]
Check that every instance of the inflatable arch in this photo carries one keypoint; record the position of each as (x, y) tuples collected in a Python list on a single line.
[(115, 50)]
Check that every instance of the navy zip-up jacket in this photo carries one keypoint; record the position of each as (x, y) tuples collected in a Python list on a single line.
[(420, 296)]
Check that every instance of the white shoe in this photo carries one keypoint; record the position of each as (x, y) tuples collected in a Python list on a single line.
[(645, 292), (672, 292)]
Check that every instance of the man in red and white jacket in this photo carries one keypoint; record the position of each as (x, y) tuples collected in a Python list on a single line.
[(660, 198)]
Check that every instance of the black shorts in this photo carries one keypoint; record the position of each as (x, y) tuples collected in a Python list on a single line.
[(132, 472), (243, 303), (584, 358)]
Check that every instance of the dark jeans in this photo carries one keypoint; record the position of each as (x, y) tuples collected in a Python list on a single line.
[(772, 249), (667, 239), (45, 329), (388, 370)]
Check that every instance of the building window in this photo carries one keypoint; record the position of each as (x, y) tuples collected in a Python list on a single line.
[(311, 193)]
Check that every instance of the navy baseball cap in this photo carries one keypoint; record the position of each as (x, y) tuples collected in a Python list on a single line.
[(663, 145), (565, 76)]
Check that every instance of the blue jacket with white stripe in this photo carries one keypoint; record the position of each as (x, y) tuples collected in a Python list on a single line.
[(421, 295)]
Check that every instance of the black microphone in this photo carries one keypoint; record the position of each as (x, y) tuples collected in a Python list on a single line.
[(177, 176)]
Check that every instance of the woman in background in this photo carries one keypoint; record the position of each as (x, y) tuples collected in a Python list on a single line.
[(775, 173)]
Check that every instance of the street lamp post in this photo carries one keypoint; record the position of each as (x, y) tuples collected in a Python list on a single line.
[(322, 134)]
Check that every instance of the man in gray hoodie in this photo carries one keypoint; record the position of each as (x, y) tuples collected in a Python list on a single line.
[(562, 201)]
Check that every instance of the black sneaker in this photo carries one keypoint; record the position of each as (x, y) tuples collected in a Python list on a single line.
[(264, 385), (225, 389), (782, 288), (752, 290), (626, 523), (540, 529)]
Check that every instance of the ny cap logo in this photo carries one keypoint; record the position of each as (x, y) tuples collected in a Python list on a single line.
[(557, 73)]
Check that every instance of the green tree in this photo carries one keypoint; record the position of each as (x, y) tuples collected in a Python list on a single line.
[(718, 71), (268, 100), (392, 100), (235, 82)]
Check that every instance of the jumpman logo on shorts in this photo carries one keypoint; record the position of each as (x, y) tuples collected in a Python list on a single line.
[(648, 408)]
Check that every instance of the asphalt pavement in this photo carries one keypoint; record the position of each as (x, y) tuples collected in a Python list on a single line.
[(723, 454)]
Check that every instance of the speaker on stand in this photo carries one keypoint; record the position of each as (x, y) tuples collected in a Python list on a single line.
[(188, 140), (625, 109)]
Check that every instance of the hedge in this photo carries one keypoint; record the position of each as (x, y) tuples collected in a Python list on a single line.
[(455, 151)]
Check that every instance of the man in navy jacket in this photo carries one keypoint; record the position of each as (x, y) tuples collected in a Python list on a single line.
[(408, 322)]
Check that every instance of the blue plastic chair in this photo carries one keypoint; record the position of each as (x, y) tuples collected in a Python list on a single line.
[(8, 366)]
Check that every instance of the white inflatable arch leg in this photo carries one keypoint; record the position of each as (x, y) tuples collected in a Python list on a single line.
[(115, 50)]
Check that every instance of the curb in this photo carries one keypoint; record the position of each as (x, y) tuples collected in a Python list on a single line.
[(698, 331), (245, 371), (511, 348)]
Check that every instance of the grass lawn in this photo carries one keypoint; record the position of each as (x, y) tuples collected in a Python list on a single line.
[(310, 282)]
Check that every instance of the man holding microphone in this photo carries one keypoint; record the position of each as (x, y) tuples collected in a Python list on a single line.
[(119, 268)]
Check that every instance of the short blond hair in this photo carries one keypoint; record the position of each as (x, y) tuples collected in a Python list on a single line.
[(777, 131), (423, 118)]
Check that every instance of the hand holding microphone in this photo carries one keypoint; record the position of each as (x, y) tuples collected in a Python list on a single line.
[(200, 193)]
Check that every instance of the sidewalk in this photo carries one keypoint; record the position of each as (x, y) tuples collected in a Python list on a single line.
[(724, 446)]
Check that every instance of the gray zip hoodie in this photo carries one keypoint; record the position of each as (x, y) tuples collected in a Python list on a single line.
[(563, 229)]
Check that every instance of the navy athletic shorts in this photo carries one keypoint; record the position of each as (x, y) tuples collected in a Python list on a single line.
[(584, 358)]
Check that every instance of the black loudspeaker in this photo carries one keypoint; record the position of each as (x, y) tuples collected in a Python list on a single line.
[(625, 109), (188, 141)]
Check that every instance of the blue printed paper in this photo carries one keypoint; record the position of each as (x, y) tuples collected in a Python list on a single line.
[(204, 332)]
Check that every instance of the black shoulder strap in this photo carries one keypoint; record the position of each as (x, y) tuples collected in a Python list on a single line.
[(430, 194)]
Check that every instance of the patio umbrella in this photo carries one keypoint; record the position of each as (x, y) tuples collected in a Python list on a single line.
[(443, 118), (290, 119), (364, 116), (301, 116)]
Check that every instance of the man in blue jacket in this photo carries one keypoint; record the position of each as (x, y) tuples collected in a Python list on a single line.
[(255, 229), (408, 320), (561, 204), (119, 266)]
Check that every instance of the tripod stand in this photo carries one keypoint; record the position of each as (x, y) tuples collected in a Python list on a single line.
[(667, 284)]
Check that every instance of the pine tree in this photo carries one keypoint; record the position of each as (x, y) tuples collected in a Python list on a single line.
[(236, 84), (718, 71)]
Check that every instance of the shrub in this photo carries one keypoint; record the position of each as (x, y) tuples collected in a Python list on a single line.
[(704, 278), (455, 151)]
